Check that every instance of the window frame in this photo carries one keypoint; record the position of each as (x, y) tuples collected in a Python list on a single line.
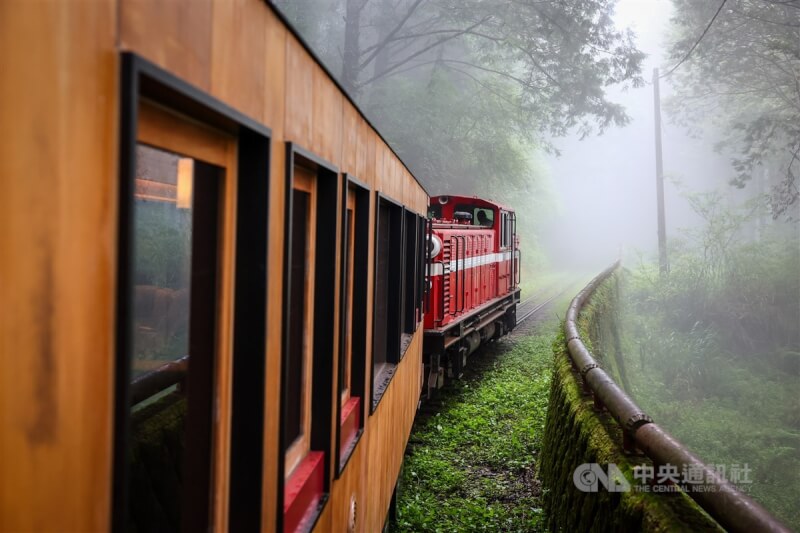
[(394, 309), (142, 80), (300, 446), (409, 276), (360, 305), (323, 350), (422, 264)]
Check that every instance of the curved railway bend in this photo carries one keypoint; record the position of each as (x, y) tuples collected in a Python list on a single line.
[(495, 450)]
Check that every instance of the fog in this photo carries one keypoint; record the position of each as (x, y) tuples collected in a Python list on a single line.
[(476, 101), (606, 184)]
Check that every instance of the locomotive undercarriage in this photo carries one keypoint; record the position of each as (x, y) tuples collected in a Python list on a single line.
[(446, 351)]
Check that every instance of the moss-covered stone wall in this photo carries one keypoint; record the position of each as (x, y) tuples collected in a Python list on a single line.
[(576, 433)]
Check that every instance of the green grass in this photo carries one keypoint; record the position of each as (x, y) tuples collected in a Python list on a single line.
[(730, 401), (471, 464), (750, 419)]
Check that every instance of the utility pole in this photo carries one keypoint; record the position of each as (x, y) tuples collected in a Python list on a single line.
[(663, 265)]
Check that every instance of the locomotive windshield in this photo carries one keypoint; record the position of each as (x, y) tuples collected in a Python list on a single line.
[(480, 216)]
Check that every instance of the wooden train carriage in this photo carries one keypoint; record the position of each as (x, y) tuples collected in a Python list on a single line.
[(210, 276)]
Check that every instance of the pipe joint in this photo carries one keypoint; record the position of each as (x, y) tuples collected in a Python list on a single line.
[(586, 368), (636, 420)]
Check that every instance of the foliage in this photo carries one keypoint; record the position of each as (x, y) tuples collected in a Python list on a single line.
[(714, 349), (744, 78), (559, 55), (466, 91), (163, 245), (480, 148), (471, 465), (721, 282)]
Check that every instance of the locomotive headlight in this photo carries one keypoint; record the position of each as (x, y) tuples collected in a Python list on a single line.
[(434, 246)]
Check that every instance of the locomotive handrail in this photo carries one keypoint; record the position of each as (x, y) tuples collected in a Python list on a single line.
[(158, 379), (454, 296), (513, 248), (732, 509), (463, 271)]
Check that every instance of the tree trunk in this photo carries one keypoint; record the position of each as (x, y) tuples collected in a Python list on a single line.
[(352, 49)]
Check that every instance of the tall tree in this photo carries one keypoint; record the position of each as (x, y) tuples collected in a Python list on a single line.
[(559, 55), (743, 76)]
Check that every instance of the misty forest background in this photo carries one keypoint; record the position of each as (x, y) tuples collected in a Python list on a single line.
[(473, 95)]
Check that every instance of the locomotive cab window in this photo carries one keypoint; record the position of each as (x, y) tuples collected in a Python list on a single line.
[(505, 230), (480, 216), (483, 217), (308, 344)]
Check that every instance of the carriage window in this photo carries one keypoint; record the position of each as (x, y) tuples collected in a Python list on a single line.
[(421, 262), (348, 239), (308, 351), (409, 278), (379, 355), (174, 274), (388, 303), (353, 310), (297, 399), (191, 350), (163, 241)]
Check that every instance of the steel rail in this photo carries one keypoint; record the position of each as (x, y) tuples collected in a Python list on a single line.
[(537, 308), (731, 508), (527, 314)]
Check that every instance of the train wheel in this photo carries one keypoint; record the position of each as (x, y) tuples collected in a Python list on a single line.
[(435, 375)]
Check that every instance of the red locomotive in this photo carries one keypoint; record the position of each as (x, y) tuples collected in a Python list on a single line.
[(473, 276)]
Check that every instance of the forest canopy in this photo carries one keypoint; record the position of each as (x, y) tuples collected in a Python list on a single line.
[(465, 91), (743, 79)]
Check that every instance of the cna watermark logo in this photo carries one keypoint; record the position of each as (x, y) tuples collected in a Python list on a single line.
[(588, 477), (593, 477)]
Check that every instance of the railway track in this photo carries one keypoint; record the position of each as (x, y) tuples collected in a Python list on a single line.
[(533, 303)]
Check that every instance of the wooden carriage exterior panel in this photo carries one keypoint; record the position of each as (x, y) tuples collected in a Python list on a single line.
[(298, 115), (58, 211), (177, 36), (60, 95), (275, 66), (238, 52)]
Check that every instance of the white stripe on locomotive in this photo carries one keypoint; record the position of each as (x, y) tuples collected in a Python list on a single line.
[(437, 269)]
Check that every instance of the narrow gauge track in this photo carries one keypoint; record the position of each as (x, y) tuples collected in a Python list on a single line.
[(531, 305)]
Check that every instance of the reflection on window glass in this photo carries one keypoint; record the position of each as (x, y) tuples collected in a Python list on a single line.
[(162, 264)]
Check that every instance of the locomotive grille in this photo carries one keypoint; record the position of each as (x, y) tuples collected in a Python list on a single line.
[(446, 246)]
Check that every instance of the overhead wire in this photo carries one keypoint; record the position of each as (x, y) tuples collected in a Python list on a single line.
[(689, 53)]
